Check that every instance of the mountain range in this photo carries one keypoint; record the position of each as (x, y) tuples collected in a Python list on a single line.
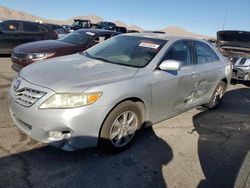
[(8, 13)]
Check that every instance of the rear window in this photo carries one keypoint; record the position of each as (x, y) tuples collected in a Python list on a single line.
[(29, 27), (204, 53)]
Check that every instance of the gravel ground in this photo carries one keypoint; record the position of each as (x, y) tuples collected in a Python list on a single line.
[(199, 148)]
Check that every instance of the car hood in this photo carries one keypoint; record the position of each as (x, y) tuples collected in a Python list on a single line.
[(237, 42), (43, 46), (74, 73)]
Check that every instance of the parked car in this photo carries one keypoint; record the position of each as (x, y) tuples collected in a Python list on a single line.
[(234, 43), (16, 32), (121, 29), (241, 68), (71, 43), (133, 31), (104, 95), (159, 32), (236, 46), (57, 28), (66, 27), (80, 24), (106, 25)]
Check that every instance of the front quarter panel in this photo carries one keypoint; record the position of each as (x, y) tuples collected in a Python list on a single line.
[(138, 86)]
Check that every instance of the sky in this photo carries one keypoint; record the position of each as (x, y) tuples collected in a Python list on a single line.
[(199, 16)]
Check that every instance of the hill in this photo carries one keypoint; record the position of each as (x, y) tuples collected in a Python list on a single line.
[(8, 13)]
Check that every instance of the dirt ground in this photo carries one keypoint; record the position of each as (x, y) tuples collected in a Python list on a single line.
[(199, 148)]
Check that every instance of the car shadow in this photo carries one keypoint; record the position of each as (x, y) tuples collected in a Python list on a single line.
[(243, 82), (224, 137), (138, 166), (5, 55)]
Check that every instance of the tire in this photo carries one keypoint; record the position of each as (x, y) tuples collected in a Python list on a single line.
[(246, 77), (217, 96), (120, 127)]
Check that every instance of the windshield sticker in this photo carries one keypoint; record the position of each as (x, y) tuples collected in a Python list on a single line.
[(90, 33), (149, 45)]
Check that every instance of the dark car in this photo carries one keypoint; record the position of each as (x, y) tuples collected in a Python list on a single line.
[(16, 32), (71, 43), (133, 31), (57, 28), (159, 32), (121, 29), (106, 25), (80, 24)]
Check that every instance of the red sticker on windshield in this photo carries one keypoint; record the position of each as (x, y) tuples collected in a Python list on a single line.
[(149, 45)]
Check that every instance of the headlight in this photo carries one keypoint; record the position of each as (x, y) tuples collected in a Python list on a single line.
[(70, 100), (40, 56)]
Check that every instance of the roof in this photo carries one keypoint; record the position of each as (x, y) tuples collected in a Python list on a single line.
[(158, 36), (26, 21), (96, 31)]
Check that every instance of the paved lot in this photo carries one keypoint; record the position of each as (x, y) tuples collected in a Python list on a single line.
[(199, 148)]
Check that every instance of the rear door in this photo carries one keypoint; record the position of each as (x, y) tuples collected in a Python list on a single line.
[(173, 92), (10, 36), (31, 32), (209, 68)]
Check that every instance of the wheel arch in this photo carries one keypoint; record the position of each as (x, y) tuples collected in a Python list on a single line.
[(225, 80), (137, 100)]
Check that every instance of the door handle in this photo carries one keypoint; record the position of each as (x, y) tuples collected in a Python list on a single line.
[(219, 67)]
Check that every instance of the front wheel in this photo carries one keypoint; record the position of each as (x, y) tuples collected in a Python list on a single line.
[(217, 96), (246, 77), (120, 127)]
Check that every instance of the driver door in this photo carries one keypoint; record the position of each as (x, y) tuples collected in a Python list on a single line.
[(173, 91)]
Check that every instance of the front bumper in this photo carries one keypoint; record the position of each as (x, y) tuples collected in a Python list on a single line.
[(82, 125)]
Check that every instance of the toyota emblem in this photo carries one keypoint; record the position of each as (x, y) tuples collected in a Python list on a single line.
[(17, 84)]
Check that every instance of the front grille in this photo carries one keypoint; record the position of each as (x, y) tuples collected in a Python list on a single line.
[(19, 55), (27, 97)]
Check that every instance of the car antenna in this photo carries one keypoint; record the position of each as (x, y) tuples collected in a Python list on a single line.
[(226, 14)]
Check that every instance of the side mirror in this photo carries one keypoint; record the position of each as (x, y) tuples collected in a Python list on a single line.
[(170, 65)]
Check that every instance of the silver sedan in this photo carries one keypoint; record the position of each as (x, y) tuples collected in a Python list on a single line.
[(104, 95)]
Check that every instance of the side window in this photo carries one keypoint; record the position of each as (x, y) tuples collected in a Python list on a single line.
[(180, 51), (43, 29), (204, 53), (242, 61), (31, 28), (10, 26)]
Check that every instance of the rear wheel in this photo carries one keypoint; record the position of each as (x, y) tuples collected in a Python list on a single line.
[(217, 96), (120, 127)]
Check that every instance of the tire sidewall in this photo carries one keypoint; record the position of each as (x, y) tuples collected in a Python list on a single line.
[(104, 137), (211, 105)]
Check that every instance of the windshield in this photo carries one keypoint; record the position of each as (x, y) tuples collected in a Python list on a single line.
[(127, 50), (77, 23), (78, 37)]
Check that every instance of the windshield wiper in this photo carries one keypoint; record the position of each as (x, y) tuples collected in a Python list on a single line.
[(103, 59), (86, 54), (98, 58)]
